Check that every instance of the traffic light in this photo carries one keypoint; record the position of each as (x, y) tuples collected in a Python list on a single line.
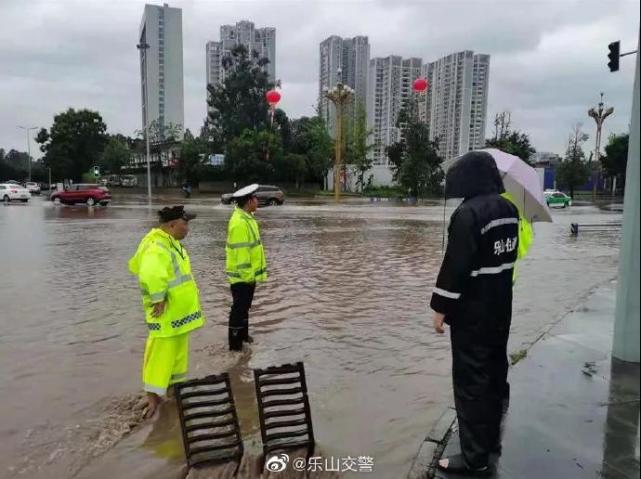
[(96, 171), (615, 52)]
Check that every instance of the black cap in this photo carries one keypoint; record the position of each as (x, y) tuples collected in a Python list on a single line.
[(174, 213)]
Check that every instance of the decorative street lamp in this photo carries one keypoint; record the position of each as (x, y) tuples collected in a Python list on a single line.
[(340, 95), (599, 114), (144, 47)]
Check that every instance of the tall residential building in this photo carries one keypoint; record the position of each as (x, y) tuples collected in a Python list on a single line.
[(260, 42), (345, 59), (455, 106), (389, 89), (161, 66)]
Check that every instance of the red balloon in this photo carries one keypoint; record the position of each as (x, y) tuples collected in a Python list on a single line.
[(272, 97), (420, 85)]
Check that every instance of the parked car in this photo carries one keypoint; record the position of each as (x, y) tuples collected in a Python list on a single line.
[(129, 181), (267, 196), (113, 180), (11, 192), (558, 198), (90, 194), (33, 187)]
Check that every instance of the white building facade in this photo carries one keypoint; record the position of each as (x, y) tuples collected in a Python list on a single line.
[(345, 60), (259, 42), (389, 90), (161, 66), (455, 106)]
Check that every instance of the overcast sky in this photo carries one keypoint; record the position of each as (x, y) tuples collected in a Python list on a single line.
[(548, 64)]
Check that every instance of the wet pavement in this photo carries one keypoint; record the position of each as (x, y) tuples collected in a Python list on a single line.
[(348, 295), (574, 411)]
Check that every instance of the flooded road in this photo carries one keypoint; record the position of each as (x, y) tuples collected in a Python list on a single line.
[(348, 294)]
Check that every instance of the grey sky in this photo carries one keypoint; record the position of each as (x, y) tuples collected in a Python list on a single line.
[(548, 57)]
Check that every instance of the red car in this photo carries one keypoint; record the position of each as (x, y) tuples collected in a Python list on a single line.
[(82, 193)]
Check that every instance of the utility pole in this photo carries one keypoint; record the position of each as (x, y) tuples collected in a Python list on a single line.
[(599, 114), (340, 95), (626, 325), (144, 47)]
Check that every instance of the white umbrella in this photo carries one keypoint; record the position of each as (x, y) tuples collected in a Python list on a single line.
[(521, 181)]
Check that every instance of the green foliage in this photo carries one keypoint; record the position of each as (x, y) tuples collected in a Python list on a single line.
[(14, 165), (74, 143), (615, 161), (238, 104), (292, 167), (415, 160), (115, 155), (510, 141), (357, 145), (251, 157), (192, 152), (574, 171), (309, 137), (384, 191)]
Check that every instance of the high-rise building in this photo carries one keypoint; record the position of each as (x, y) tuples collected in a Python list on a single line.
[(346, 60), (389, 90), (260, 43), (161, 66), (455, 106)]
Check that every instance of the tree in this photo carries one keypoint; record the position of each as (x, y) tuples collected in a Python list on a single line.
[(192, 152), (239, 102), (415, 162), (510, 141), (115, 155), (357, 145), (309, 137), (574, 171), (251, 157), (292, 167), (282, 125), (74, 143), (13, 165), (615, 161)]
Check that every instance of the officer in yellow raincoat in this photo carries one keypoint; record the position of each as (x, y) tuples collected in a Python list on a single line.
[(170, 300), (245, 263)]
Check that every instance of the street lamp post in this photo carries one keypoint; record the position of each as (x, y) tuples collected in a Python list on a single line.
[(599, 114), (143, 47), (27, 129), (340, 95)]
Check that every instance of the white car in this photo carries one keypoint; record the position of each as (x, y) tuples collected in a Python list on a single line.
[(34, 188), (10, 192)]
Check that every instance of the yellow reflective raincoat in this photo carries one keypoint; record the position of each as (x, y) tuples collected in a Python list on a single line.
[(246, 261)]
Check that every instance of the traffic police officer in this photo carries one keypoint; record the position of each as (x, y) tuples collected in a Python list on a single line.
[(245, 263), (170, 300)]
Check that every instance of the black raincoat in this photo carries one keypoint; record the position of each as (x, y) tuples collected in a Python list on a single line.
[(474, 292)]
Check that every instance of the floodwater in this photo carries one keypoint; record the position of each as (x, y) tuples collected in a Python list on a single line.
[(348, 294)]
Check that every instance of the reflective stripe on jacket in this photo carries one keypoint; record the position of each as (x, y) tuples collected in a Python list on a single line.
[(475, 280), (245, 256), (164, 274)]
